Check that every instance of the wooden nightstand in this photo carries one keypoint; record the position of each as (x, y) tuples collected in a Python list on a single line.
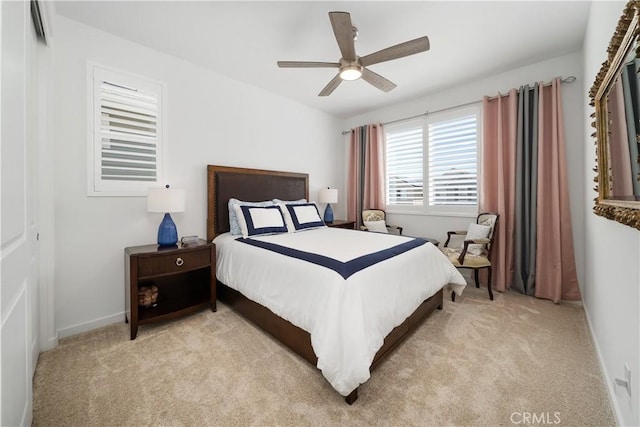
[(340, 223), (184, 275)]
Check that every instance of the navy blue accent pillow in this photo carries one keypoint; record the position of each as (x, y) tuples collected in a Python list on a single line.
[(263, 220), (305, 215)]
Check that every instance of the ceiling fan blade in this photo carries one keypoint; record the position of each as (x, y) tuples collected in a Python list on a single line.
[(331, 86), (377, 80), (307, 64), (343, 30), (398, 51)]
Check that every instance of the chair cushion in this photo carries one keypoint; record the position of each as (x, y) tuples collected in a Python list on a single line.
[(471, 261), (377, 226), (477, 231)]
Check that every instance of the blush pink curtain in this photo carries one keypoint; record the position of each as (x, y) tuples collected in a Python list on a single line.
[(497, 178), (365, 187), (556, 277)]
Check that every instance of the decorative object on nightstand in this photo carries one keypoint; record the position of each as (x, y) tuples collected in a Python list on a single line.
[(328, 196), (185, 240), (167, 201), (147, 295)]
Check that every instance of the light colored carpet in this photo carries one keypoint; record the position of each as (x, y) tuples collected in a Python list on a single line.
[(476, 362)]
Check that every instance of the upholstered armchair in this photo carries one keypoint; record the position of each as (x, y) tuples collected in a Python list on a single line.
[(475, 251), (375, 220)]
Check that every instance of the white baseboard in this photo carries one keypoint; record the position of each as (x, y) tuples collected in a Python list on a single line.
[(88, 326), (608, 381), (49, 343), (35, 353)]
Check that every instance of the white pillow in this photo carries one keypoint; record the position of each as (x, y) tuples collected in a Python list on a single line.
[(234, 225), (305, 216), (254, 220), (285, 212), (477, 231), (377, 226), (289, 202)]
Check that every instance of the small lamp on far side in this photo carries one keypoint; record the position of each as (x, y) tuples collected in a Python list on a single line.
[(166, 200), (328, 196)]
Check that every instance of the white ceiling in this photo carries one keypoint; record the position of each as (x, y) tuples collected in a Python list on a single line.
[(469, 40)]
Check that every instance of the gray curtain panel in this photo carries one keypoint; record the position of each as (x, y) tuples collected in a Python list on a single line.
[(362, 169), (526, 190), (631, 90)]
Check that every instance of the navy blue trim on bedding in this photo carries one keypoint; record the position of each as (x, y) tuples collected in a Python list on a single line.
[(345, 269)]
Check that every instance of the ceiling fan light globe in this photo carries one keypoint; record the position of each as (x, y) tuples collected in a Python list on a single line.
[(350, 72)]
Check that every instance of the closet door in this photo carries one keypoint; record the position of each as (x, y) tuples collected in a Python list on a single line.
[(18, 260)]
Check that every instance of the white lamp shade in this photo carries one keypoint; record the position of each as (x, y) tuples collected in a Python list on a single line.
[(328, 195), (166, 200)]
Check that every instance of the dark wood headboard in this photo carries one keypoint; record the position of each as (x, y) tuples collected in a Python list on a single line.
[(252, 185)]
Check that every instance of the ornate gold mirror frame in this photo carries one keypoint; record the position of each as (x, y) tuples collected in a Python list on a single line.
[(624, 209)]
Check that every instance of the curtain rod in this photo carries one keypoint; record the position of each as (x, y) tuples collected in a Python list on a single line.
[(569, 79)]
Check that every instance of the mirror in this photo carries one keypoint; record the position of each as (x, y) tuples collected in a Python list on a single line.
[(616, 97)]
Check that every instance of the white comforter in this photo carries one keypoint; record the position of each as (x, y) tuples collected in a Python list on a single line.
[(347, 319)]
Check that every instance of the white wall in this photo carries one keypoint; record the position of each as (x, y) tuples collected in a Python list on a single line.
[(569, 65), (211, 119), (612, 269)]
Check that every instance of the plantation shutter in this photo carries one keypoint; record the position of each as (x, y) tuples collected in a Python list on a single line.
[(128, 134), (127, 143), (453, 163), (405, 167)]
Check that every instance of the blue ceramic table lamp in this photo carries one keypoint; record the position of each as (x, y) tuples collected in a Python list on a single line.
[(166, 200), (328, 196)]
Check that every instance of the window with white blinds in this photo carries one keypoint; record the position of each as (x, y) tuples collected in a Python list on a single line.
[(432, 162), (453, 161), (405, 167), (127, 143)]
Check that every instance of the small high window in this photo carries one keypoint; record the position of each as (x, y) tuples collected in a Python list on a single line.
[(126, 152)]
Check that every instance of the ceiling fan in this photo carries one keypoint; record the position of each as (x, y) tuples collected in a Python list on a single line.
[(352, 66)]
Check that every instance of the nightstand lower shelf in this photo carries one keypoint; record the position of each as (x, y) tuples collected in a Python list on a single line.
[(172, 299)]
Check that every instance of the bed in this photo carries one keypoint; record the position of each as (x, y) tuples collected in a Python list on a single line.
[(322, 310)]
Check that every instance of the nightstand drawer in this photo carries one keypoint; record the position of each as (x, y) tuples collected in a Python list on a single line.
[(172, 263)]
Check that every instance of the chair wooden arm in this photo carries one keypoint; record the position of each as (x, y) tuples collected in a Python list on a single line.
[(480, 241), (458, 232), (452, 233), (466, 244), (395, 227)]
